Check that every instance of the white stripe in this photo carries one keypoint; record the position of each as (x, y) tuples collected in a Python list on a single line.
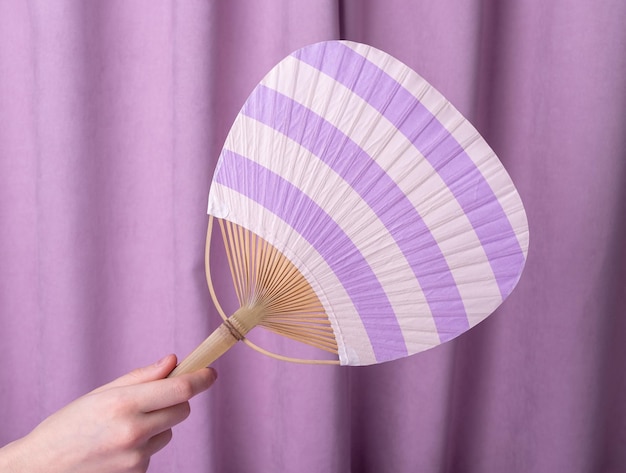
[(338, 199), (414, 175), (463, 132), (352, 339)]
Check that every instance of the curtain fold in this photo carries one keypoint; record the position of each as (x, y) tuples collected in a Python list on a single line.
[(112, 115)]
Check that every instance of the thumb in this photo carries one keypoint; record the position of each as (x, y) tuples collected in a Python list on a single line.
[(158, 370)]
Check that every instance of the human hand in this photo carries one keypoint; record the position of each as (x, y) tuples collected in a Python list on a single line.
[(113, 429)]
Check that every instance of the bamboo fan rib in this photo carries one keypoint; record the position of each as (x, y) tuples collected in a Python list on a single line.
[(262, 276), (361, 211)]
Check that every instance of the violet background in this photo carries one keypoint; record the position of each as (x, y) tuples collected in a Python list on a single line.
[(112, 115)]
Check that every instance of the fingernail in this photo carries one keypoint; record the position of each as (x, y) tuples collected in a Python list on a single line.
[(214, 373)]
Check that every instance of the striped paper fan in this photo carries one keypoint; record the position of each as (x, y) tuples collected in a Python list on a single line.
[(361, 212)]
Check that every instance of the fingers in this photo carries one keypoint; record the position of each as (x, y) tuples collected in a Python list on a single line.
[(165, 419), (164, 393), (158, 370), (158, 442), (158, 421), (152, 372)]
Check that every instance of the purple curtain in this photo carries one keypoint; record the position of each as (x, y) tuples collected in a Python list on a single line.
[(112, 115)]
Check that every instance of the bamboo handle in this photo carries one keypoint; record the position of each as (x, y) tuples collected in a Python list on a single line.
[(221, 340)]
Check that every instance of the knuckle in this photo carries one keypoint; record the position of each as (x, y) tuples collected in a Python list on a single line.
[(183, 389), (121, 405), (130, 435), (163, 438), (160, 441), (185, 410), (167, 437), (137, 374), (136, 462)]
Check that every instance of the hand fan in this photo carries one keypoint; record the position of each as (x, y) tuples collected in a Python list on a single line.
[(361, 212)]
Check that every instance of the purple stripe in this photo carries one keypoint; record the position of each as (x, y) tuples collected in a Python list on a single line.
[(379, 191), (426, 133), (300, 212)]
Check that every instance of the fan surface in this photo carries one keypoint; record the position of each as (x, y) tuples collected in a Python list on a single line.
[(389, 205), (385, 198)]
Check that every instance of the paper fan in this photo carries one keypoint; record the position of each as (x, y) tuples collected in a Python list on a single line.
[(361, 212)]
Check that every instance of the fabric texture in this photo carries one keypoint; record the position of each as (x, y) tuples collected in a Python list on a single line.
[(112, 116)]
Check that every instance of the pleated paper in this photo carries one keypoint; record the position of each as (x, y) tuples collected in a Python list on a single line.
[(388, 201)]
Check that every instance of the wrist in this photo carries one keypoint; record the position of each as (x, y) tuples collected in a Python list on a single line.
[(24, 456), (29, 455), (12, 458)]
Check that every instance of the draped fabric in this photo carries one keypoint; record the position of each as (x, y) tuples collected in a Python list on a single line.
[(112, 116)]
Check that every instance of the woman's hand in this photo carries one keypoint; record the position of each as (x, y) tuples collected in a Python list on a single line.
[(114, 429)]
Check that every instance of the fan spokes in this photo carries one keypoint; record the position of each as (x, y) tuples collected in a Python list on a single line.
[(264, 277)]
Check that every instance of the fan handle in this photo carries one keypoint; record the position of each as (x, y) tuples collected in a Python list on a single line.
[(232, 330)]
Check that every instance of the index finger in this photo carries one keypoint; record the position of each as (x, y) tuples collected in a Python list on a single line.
[(162, 393)]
